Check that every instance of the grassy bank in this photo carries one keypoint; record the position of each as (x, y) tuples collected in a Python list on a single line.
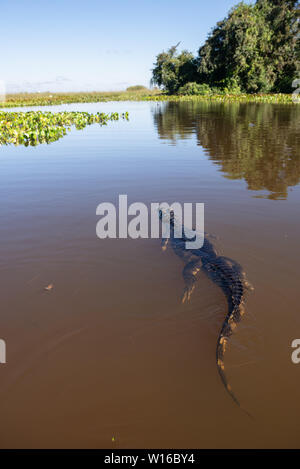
[(48, 99)]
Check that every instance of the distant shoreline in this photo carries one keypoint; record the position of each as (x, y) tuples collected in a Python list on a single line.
[(50, 99)]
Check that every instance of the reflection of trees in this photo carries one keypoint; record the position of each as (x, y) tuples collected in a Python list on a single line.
[(256, 142)]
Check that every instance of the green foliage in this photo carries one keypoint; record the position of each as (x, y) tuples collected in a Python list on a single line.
[(137, 88), (256, 46), (234, 51), (47, 99), (255, 49), (172, 70), (193, 88), (229, 86), (219, 96), (282, 17), (33, 128)]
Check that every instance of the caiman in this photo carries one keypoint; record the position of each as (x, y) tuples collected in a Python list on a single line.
[(224, 272)]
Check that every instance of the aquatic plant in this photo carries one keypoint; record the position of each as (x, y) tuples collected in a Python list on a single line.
[(35, 127), (46, 99), (278, 98), (49, 99)]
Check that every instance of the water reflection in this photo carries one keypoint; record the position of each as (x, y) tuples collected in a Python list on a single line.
[(259, 143)]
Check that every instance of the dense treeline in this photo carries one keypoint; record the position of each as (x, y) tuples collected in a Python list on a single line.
[(256, 48)]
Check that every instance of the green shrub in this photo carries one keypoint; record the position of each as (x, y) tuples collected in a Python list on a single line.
[(136, 88), (193, 88), (227, 86)]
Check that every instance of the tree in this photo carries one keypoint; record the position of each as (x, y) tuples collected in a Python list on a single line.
[(256, 46), (282, 18), (172, 70), (235, 50)]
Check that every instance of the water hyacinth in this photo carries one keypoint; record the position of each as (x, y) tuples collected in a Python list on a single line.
[(36, 127), (47, 99), (35, 99), (278, 98)]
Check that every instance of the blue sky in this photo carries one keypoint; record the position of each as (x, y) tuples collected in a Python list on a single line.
[(71, 45)]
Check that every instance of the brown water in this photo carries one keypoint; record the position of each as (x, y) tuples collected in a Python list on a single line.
[(110, 351)]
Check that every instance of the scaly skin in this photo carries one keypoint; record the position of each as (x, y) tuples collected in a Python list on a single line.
[(224, 272)]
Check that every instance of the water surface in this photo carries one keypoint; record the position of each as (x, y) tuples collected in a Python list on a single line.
[(111, 352)]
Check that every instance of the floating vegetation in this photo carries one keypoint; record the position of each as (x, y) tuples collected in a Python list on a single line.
[(47, 99), (278, 98), (50, 99), (36, 127)]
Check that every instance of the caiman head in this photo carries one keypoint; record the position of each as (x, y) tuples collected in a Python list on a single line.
[(167, 216)]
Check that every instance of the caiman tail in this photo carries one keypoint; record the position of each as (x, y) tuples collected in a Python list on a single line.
[(229, 326)]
